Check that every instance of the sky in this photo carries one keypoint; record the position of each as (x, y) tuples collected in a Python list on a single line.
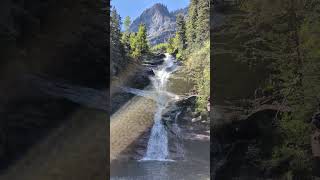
[(134, 8)]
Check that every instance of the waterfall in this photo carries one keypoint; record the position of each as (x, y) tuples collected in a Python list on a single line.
[(158, 142), (157, 148)]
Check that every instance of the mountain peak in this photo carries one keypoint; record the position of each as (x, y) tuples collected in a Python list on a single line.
[(158, 7), (159, 21)]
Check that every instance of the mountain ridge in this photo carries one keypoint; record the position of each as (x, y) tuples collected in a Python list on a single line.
[(160, 22)]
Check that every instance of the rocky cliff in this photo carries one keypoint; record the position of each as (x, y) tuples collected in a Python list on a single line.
[(159, 21)]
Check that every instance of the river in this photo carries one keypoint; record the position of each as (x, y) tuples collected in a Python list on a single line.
[(162, 151)]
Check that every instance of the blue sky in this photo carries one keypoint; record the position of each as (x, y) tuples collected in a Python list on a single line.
[(134, 8)]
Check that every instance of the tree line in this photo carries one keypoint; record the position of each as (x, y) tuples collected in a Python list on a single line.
[(125, 46), (192, 32), (191, 44)]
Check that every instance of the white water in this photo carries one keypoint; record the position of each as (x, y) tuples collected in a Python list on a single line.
[(158, 142), (157, 149), (165, 143)]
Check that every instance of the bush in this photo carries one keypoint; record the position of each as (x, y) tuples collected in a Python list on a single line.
[(198, 67), (160, 48)]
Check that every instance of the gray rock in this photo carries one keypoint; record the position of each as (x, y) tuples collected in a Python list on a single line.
[(159, 21), (196, 119)]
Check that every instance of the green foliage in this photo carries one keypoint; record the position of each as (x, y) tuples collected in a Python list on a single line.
[(172, 47), (181, 33), (125, 40), (117, 51), (198, 66), (126, 23), (191, 22), (285, 35), (139, 43), (299, 162), (198, 23), (202, 21), (191, 34), (162, 48), (191, 43)]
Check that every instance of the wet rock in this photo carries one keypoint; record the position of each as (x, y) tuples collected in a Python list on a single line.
[(195, 114), (196, 119), (149, 72), (160, 56), (187, 101), (199, 137), (186, 118)]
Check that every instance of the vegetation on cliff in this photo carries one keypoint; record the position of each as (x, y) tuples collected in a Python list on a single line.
[(192, 45)]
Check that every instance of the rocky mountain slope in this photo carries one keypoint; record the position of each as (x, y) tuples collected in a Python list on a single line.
[(159, 21)]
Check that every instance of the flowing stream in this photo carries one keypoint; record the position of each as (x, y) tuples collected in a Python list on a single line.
[(163, 153), (157, 149), (158, 142)]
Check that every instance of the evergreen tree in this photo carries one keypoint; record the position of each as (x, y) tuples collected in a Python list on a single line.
[(116, 48), (115, 26), (142, 39), (202, 21), (127, 23), (181, 32), (139, 43), (191, 22), (126, 35), (171, 48)]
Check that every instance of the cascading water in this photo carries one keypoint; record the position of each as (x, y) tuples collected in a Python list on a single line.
[(158, 143)]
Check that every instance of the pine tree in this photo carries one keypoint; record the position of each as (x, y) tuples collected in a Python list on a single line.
[(171, 46), (181, 32), (191, 22), (117, 53), (126, 35), (127, 23), (142, 39), (139, 43), (202, 21)]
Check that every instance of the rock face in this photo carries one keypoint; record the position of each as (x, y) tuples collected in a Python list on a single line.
[(159, 21)]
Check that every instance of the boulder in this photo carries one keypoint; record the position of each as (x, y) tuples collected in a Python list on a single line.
[(196, 119), (160, 56), (187, 101)]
